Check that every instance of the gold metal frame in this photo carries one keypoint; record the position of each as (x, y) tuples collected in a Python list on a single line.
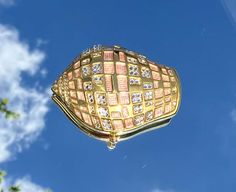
[(63, 98)]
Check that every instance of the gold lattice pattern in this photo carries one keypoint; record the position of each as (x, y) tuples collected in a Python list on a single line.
[(111, 91)]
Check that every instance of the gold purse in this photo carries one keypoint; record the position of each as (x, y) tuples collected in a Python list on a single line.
[(113, 94)]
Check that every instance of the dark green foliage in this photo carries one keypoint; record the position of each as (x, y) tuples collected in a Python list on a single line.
[(3, 109), (12, 188)]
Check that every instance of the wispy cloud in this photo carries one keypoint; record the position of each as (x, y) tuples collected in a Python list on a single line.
[(16, 60), (230, 8), (233, 115), (7, 2), (161, 190)]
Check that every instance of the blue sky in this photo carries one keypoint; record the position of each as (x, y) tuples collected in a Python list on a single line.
[(195, 153)]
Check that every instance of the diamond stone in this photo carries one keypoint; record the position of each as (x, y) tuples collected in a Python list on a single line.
[(91, 109), (103, 112), (148, 95), (101, 99), (146, 72), (106, 124), (138, 119), (133, 70), (97, 68), (85, 61), (147, 85), (136, 97), (88, 85), (138, 108), (134, 81), (95, 121), (131, 60), (97, 54), (149, 115), (90, 98), (148, 103), (86, 70), (98, 79), (142, 60)]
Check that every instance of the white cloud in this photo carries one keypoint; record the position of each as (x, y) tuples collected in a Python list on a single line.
[(160, 190), (17, 59), (25, 184), (233, 115), (7, 2)]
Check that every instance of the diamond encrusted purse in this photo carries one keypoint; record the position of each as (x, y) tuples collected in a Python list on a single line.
[(113, 94)]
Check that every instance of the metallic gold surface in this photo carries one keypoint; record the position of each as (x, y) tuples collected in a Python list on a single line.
[(113, 94)]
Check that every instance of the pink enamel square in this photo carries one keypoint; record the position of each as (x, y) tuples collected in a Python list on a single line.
[(77, 73), (80, 95), (74, 101), (172, 79), (87, 118), (71, 84), (156, 75), (122, 83), (108, 55), (109, 68), (121, 68), (164, 71), (124, 98), (167, 91), (118, 125), (125, 112), (79, 84), (166, 84), (167, 108), (129, 123), (115, 114), (165, 78), (156, 84), (108, 82), (158, 93), (112, 99), (122, 56), (77, 65), (159, 111), (73, 94), (83, 108), (153, 67), (70, 76), (77, 113)]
